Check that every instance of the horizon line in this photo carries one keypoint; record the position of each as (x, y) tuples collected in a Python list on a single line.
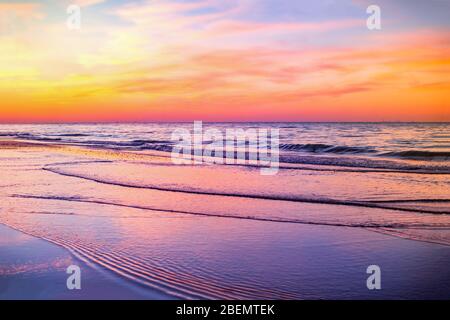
[(192, 121)]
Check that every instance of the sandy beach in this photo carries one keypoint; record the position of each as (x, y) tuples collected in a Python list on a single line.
[(141, 228)]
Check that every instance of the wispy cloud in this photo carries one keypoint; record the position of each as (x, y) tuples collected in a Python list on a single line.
[(21, 9), (86, 3), (221, 60)]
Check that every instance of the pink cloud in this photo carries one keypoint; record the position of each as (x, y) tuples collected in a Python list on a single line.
[(228, 27), (21, 10), (86, 3)]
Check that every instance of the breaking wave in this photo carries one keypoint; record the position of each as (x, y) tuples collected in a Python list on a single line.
[(419, 155), (325, 148)]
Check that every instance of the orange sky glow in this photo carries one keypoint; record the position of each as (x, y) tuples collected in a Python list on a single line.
[(211, 60)]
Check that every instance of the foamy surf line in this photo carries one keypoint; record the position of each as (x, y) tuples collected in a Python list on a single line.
[(365, 204), (255, 218), (315, 157), (166, 145)]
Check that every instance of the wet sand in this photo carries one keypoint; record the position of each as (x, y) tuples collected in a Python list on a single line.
[(32, 268)]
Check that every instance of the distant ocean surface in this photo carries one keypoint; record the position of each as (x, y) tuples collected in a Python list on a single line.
[(369, 145)]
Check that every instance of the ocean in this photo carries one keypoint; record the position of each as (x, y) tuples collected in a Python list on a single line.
[(315, 143), (346, 195)]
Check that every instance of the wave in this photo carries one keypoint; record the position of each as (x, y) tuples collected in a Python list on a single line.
[(414, 227), (310, 221), (345, 156), (71, 135), (379, 163), (138, 144), (275, 197), (29, 136), (157, 147), (326, 148), (418, 154), (336, 149), (124, 144)]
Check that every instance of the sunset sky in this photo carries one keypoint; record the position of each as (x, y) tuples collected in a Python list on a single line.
[(224, 60)]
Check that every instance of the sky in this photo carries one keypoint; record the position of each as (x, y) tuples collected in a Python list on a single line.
[(217, 60)]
